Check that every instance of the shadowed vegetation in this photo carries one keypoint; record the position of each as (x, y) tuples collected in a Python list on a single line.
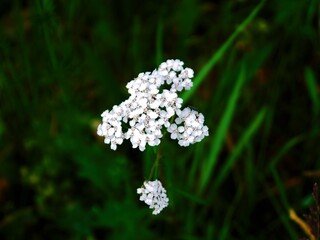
[(62, 63)]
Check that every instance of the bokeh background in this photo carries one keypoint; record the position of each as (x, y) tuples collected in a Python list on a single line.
[(62, 63)]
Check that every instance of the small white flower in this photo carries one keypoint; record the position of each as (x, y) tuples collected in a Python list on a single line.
[(154, 195)]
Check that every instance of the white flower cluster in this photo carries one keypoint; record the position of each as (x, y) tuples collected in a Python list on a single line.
[(188, 127), (150, 107), (153, 194)]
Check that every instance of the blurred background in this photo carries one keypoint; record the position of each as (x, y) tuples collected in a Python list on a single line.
[(62, 63)]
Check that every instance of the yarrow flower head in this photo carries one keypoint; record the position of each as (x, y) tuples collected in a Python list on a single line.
[(152, 103), (153, 194)]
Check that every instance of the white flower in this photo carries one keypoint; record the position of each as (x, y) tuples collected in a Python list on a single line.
[(153, 194), (152, 103), (188, 127)]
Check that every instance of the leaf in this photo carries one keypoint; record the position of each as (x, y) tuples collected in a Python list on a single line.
[(219, 54), (219, 136), (244, 140)]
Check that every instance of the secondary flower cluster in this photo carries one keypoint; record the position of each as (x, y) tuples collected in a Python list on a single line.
[(153, 194), (152, 103), (188, 127)]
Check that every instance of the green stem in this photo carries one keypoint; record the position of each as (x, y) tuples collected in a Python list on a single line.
[(155, 166)]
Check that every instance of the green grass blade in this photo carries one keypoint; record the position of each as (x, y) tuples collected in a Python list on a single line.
[(251, 170), (285, 149), (282, 213), (199, 149), (228, 221), (219, 136), (280, 188), (252, 128), (312, 88), (219, 54), (192, 197), (136, 44), (159, 43), (44, 9)]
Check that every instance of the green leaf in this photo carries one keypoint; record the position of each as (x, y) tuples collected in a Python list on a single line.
[(312, 88), (244, 140), (219, 136), (285, 149), (159, 42), (219, 54)]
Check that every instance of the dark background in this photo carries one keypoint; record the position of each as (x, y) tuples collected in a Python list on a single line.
[(62, 63)]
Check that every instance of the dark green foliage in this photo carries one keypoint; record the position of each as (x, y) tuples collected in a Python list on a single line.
[(62, 63)]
